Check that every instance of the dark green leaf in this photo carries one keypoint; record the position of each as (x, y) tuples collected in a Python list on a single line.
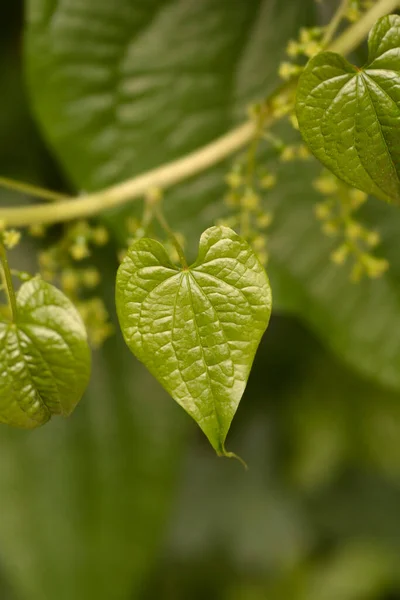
[(149, 81), (350, 117), (196, 329), (44, 357)]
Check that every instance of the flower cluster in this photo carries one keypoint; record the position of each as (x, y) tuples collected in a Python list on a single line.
[(337, 214), (357, 8), (66, 263), (249, 218), (307, 45), (9, 237)]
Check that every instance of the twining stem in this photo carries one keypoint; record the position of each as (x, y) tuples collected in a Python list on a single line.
[(32, 190), (226, 454), (265, 112), (181, 169), (335, 23), (117, 195), (7, 281), (355, 34), (164, 224), (152, 210)]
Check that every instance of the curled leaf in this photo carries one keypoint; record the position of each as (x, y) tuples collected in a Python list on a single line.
[(196, 329), (44, 357), (350, 117)]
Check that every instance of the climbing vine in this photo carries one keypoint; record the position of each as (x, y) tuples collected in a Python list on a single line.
[(197, 326)]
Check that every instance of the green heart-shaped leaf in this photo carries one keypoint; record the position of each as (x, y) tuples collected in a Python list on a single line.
[(196, 329), (44, 357), (350, 117)]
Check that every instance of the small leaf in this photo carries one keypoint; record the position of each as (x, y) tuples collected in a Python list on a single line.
[(350, 117), (197, 329), (44, 357)]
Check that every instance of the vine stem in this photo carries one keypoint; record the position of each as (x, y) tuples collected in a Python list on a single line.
[(32, 190), (335, 22), (181, 169), (355, 34), (161, 177), (164, 224), (7, 280)]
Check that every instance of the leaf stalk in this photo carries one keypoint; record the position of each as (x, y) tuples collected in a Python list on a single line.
[(335, 23), (164, 224), (7, 281)]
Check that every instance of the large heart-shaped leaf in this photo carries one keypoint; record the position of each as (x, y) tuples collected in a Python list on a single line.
[(44, 357), (149, 81), (350, 117), (197, 329)]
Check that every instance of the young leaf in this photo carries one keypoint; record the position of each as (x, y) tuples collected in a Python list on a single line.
[(350, 117), (44, 357), (196, 329)]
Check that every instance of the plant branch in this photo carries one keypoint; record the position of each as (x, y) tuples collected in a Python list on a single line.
[(335, 22), (32, 190), (164, 224), (161, 177), (194, 163), (355, 34)]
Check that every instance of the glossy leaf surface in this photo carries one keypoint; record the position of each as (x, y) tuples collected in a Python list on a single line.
[(350, 117), (196, 329), (44, 357)]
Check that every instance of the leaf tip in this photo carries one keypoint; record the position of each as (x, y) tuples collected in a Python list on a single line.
[(223, 453)]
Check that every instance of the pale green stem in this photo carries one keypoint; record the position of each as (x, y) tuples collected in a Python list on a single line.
[(164, 224), (162, 177), (251, 164), (181, 169), (31, 190), (335, 22), (7, 280), (353, 36), (226, 454)]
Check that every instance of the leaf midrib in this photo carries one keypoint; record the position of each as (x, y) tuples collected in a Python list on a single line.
[(11, 328), (354, 78), (367, 78), (46, 364), (216, 412), (189, 274)]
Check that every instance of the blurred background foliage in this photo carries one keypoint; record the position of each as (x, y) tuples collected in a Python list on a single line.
[(125, 500)]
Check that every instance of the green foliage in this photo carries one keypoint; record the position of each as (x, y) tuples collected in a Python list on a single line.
[(119, 128), (350, 117), (86, 503), (131, 104), (44, 357), (141, 127), (197, 329)]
